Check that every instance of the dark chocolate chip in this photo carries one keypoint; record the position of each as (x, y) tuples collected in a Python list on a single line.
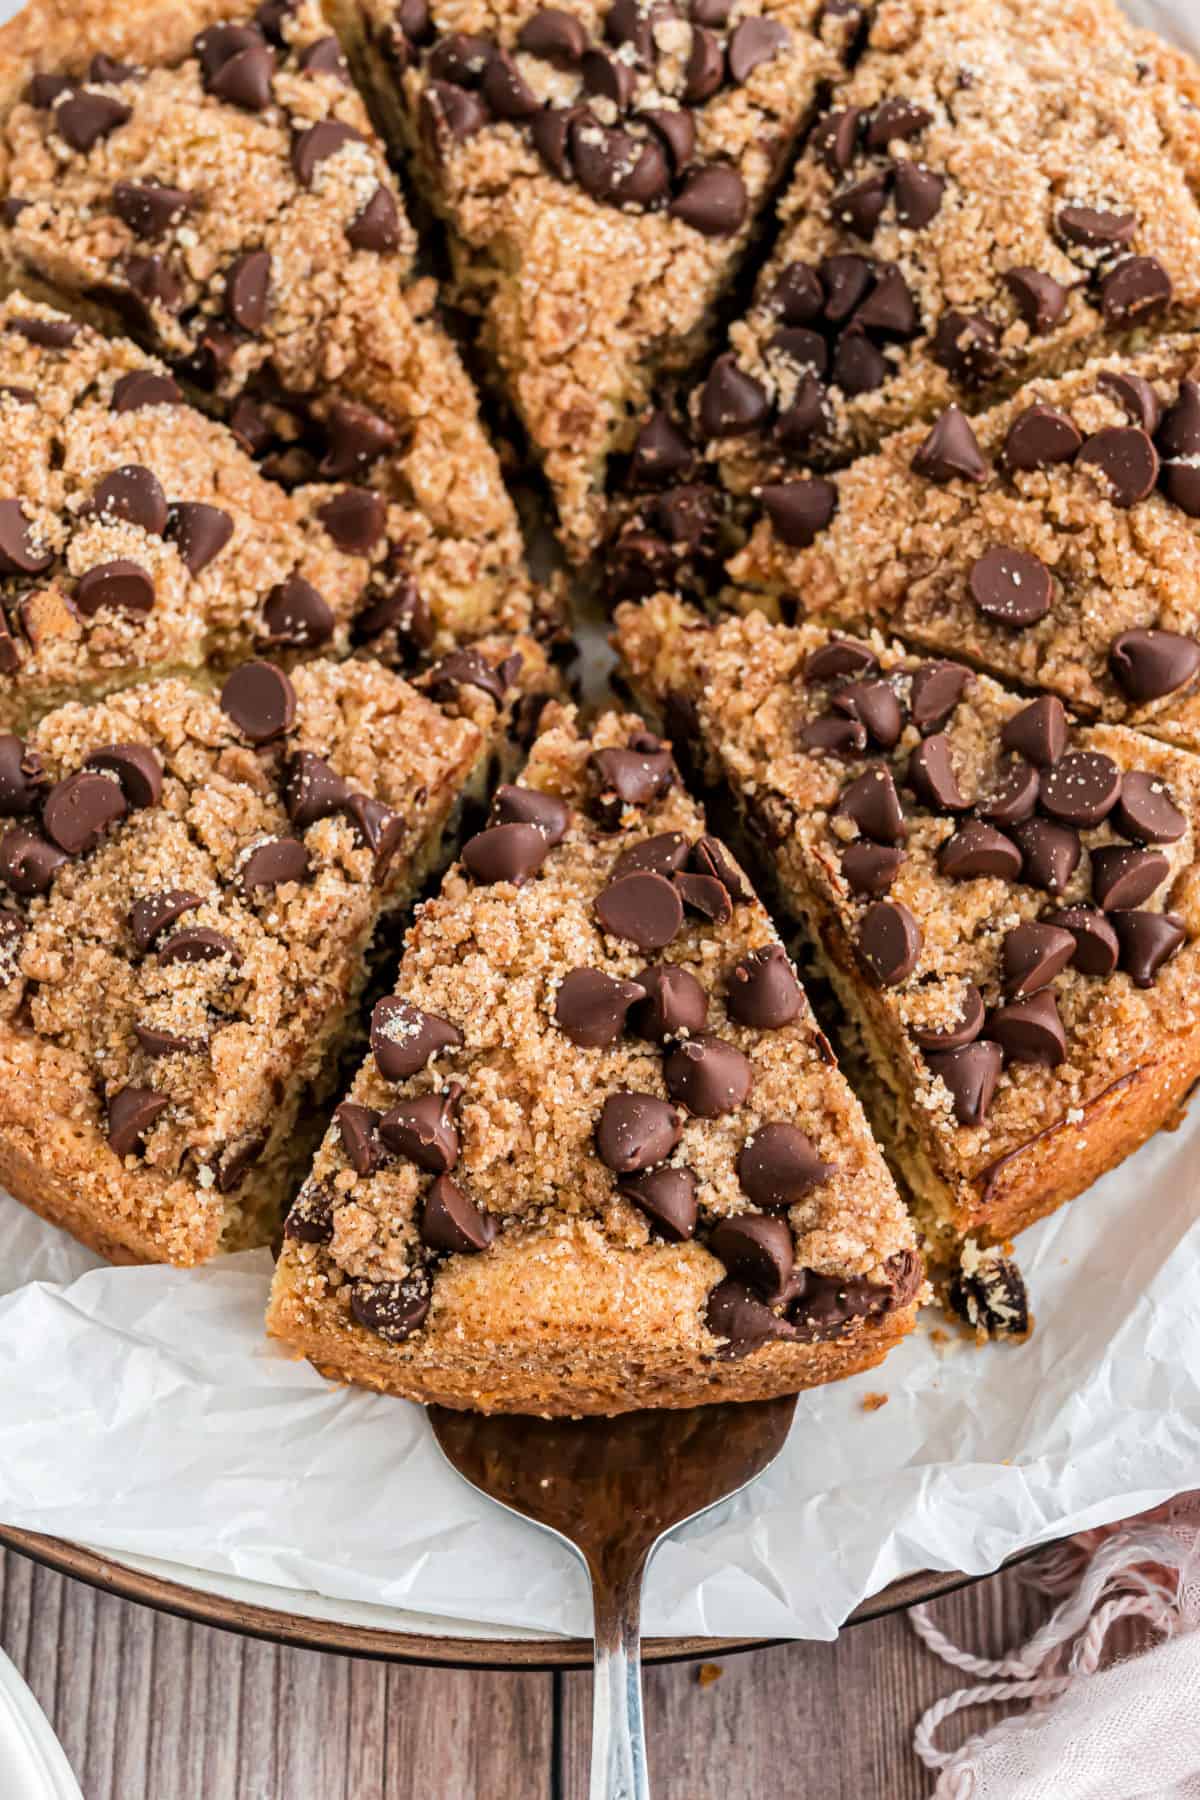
[(1147, 665), (245, 79), (1122, 877), (859, 366), (661, 452), (976, 850), (556, 36), (49, 334), (403, 1037), (710, 857), (744, 1322), (643, 909), (872, 802), (156, 1042), (708, 1076), (1096, 947), (394, 1310), (460, 57), (18, 555), (148, 282), (665, 855), (971, 1075), (800, 421), (834, 734), (965, 1029), (312, 790), (1082, 788), (526, 806), (464, 114), (1039, 437), (896, 118), (637, 776), (932, 778), (1146, 811), (260, 700), (22, 778), (937, 688), (712, 201), (131, 1113), (200, 533), (918, 194), (247, 286), (452, 1223), (992, 1297), (875, 706), (1032, 955), (355, 519), (324, 57), (951, 451), (150, 208), (379, 827), (800, 348), (1126, 460), (376, 226), (798, 297), (136, 767), (79, 810), (272, 863), (703, 895), (839, 657), (122, 585), (846, 280), (870, 868), (28, 861), (636, 1131), (889, 942), (705, 69), (762, 990), (667, 1196), (614, 166), (506, 90), (1038, 732), (355, 437), (1147, 940), (358, 1130), (1030, 1031), (133, 494), (835, 138), (859, 206), (154, 912), (800, 510), (1011, 586), (199, 944), (505, 853), (83, 118), (731, 402), (778, 1165), (968, 346), (1040, 300), (755, 41), (318, 142), (757, 1251), (423, 1131), (674, 1003), (1137, 288), (295, 614), (310, 1219), (677, 129), (1135, 394), (1095, 229), (400, 609), (591, 1007), (1051, 853)]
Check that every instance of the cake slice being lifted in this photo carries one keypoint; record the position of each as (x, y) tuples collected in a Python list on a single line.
[(601, 169), (206, 177), (193, 885), (1006, 904), (601, 1156)]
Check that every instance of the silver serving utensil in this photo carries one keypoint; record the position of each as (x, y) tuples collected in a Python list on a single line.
[(612, 1489)]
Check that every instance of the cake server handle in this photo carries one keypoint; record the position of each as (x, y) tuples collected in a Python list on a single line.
[(618, 1728)]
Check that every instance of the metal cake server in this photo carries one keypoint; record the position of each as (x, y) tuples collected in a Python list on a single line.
[(613, 1489)]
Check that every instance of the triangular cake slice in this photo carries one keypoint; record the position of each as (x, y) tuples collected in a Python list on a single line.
[(208, 178), (1051, 540), (1006, 904), (999, 190), (601, 1156), (601, 170), (193, 880)]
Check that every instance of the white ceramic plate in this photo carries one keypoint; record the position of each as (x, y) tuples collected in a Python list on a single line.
[(32, 1763)]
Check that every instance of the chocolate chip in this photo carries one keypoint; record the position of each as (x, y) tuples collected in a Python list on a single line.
[(778, 1165), (134, 494), (122, 585), (705, 68), (965, 1030), (859, 207), (762, 990), (1033, 954), (131, 1113), (22, 778), (731, 402), (710, 857), (136, 767), (992, 1298), (755, 41), (1138, 287), (1082, 788), (846, 279), (873, 804), (643, 909), (413, 19), (1038, 732), (799, 510), (708, 1076), (661, 452), (460, 57), (376, 226), (394, 1310), (1179, 433), (951, 451), (712, 201), (463, 114), (757, 1251), (1135, 394), (526, 806), (937, 688), (45, 88), (245, 79), (260, 700), (312, 790), (799, 348), (931, 775), (401, 609), (551, 133), (506, 90), (636, 1131), (246, 289), (49, 334), (1122, 878), (662, 855), (894, 119), (423, 1130), (28, 863), (918, 194), (703, 895), (875, 706), (636, 776), (968, 346), (859, 366), (1095, 941), (379, 827), (1051, 853), (403, 1037), (556, 36), (870, 868), (295, 614), (200, 533), (272, 863), (799, 422), (1011, 586), (199, 944), (143, 387), (591, 1007), (453, 1224), (614, 166), (970, 1074), (324, 57), (889, 942), (1039, 437), (154, 912), (17, 553), (317, 143), (1147, 940), (83, 118), (667, 1196), (310, 1218), (1030, 1031), (80, 809), (149, 208), (1040, 300), (505, 853), (835, 138), (834, 734), (358, 1130), (840, 656), (1126, 460), (977, 850), (149, 282), (1095, 229), (1147, 665), (250, 426), (156, 1042), (1146, 812), (674, 1003), (355, 437), (744, 1322)]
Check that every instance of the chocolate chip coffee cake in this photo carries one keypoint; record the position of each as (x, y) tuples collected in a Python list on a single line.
[(1006, 903), (600, 1156), (193, 881), (601, 167), (208, 178), (1051, 540)]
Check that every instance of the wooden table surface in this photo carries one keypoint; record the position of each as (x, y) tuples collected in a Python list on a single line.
[(149, 1707)]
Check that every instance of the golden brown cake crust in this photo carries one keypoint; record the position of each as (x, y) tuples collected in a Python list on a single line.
[(1131, 1052), (576, 1303)]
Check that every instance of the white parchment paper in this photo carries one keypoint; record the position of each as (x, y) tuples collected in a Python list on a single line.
[(142, 1411)]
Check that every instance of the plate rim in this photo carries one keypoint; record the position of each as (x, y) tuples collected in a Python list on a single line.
[(277, 1625)]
